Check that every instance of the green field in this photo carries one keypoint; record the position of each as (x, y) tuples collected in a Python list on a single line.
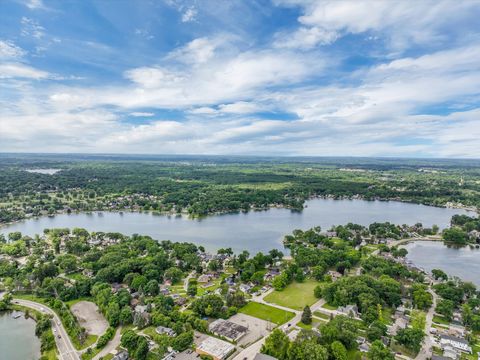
[(295, 296), (265, 312)]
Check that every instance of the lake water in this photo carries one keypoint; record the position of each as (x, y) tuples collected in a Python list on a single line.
[(17, 338), (43, 171), (254, 231), (463, 262)]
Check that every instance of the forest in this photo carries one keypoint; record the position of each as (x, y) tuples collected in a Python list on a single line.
[(201, 186)]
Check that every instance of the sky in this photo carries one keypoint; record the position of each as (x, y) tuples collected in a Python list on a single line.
[(246, 77)]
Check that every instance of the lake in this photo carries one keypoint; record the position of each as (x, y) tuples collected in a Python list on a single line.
[(463, 262), (17, 338), (254, 231)]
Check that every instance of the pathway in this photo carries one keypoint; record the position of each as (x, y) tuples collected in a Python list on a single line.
[(112, 345)]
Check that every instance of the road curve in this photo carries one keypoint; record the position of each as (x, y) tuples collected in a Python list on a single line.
[(65, 347)]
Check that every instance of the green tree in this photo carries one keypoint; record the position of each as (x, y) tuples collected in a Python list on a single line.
[(378, 351), (276, 345), (307, 315), (339, 351), (411, 338)]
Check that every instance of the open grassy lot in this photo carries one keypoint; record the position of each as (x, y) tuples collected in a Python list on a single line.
[(295, 296), (265, 312)]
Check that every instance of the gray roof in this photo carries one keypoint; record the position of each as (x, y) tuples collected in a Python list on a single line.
[(453, 338), (263, 357), (227, 329)]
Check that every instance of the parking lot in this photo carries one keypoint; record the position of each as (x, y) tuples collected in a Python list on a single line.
[(257, 328)]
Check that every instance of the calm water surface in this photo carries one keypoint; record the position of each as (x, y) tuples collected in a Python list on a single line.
[(17, 338), (463, 262), (254, 231)]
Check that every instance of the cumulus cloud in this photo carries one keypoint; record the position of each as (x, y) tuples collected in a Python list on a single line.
[(294, 91)]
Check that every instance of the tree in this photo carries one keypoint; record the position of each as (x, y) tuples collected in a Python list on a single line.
[(439, 274), (445, 307), (141, 349), (307, 315), (276, 345), (138, 282), (378, 351), (126, 316), (152, 288), (421, 298), (183, 341), (455, 235), (338, 351), (307, 349), (376, 330), (341, 328), (173, 274), (411, 338), (318, 291), (129, 340)]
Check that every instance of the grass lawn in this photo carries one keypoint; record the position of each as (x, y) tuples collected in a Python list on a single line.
[(295, 296), (265, 312), (329, 307), (440, 320), (321, 315), (387, 316)]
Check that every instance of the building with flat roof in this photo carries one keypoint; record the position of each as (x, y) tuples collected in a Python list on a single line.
[(227, 329), (216, 348)]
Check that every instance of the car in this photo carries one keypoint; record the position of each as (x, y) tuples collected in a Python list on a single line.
[(59, 336), (54, 330)]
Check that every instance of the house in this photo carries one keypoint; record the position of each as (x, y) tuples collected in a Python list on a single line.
[(456, 343), (204, 278), (165, 330), (217, 349), (364, 347), (349, 310), (439, 357), (227, 329), (335, 275), (245, 287), (122, 355)]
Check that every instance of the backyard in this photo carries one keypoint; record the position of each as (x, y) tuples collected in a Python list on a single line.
[(295, 296), (268, 313)]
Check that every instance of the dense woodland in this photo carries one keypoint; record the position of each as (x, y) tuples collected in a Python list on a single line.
[(205, 185)]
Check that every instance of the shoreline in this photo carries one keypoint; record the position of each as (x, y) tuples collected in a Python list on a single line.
[(476, 211)]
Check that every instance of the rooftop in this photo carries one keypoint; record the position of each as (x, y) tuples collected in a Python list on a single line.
[(227, 329), (217, 348)]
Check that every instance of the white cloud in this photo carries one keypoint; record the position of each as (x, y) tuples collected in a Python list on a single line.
[(403, 23), (305, 38), (8, 50), (189, 14), (18, 70), (141, 114), (31, 28), (196, 51), (35, 4)]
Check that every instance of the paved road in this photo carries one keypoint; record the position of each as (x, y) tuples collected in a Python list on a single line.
[(427, 345), (64, 345)]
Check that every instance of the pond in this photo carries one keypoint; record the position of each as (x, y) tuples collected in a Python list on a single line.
[(463, 262), (254, 231), (17, 337)]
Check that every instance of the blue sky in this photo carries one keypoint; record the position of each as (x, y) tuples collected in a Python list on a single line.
[(280, 77)]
